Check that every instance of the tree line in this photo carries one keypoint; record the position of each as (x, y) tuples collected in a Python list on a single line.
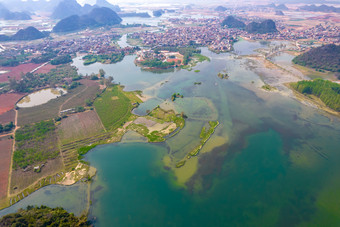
[(327, 91)]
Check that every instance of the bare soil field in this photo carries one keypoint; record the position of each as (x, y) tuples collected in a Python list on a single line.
[(21, 180), (5, 161), (45, 111), (7, 101), (45, 69), (79, 126), (7, 117), (15, 72)]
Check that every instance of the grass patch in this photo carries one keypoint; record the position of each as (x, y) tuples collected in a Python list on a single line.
[(201, 58), (113, 113), (197, 71)]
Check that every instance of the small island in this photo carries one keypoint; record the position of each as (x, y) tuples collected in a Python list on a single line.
[(176, 96), (169, 58), (205, 136), (223, 75)]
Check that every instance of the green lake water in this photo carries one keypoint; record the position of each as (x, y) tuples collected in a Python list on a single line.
[(271, 162)]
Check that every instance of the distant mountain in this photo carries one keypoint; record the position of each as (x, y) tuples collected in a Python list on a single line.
[(67, 8), (96, 18), (134, 14), (281, 7), (6, 14), (231, 22), (322, 8), (326, 57), (158, 13), (104, 3), (220, 9), (279, 13), (29, 33), (267, 26)]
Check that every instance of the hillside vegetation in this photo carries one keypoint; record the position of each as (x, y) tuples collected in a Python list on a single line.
[(231, 22), (267, 26), (326, 57), (43, 216), (327, 91), (96, 18)]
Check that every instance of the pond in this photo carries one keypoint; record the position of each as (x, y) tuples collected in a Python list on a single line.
[(40, 97)]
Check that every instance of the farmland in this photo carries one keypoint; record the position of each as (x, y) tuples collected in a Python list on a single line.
[(113, 107), (45, 69), (80, 125), (88, 93), (5, 160), (7, 101), (21, 180), (35, 144), (16, 72), (7, 117)]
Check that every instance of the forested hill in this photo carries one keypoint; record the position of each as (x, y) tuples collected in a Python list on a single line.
[(326, 57), (267, 26), (327, 91), (6, 14), (43, 216), (231, 22), (96, 18), (29, 33)]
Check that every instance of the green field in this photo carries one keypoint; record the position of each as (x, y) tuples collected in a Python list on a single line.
[(113, 107), (35, 143)]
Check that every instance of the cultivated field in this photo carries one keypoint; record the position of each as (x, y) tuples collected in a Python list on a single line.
[(7, 101), (113, 107), (45, 111), (45, 69), (5, 160), (15, 72), (90, 91), (79, 126), (21, 180), (7, 117), (35, 144)]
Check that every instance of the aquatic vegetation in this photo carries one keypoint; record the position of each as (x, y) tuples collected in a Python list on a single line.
[(180, 164), (267, 87)]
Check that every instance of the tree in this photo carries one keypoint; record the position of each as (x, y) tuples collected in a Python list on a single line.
[(102, 72), (108, 81)]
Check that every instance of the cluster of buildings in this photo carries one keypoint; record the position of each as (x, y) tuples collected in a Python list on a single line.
[(216, 38), (92, 43), (209, 32), (165, 56)]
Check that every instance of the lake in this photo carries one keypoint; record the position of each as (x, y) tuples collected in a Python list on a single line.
[(271, 162)]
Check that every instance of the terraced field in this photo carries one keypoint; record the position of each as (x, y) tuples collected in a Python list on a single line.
[(79, 125)]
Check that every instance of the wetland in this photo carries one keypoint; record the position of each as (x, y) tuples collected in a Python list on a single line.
[(270, 161)]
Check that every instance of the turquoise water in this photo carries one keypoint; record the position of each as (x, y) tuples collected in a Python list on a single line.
[(271, 162), (278, 166), (71, 198)]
